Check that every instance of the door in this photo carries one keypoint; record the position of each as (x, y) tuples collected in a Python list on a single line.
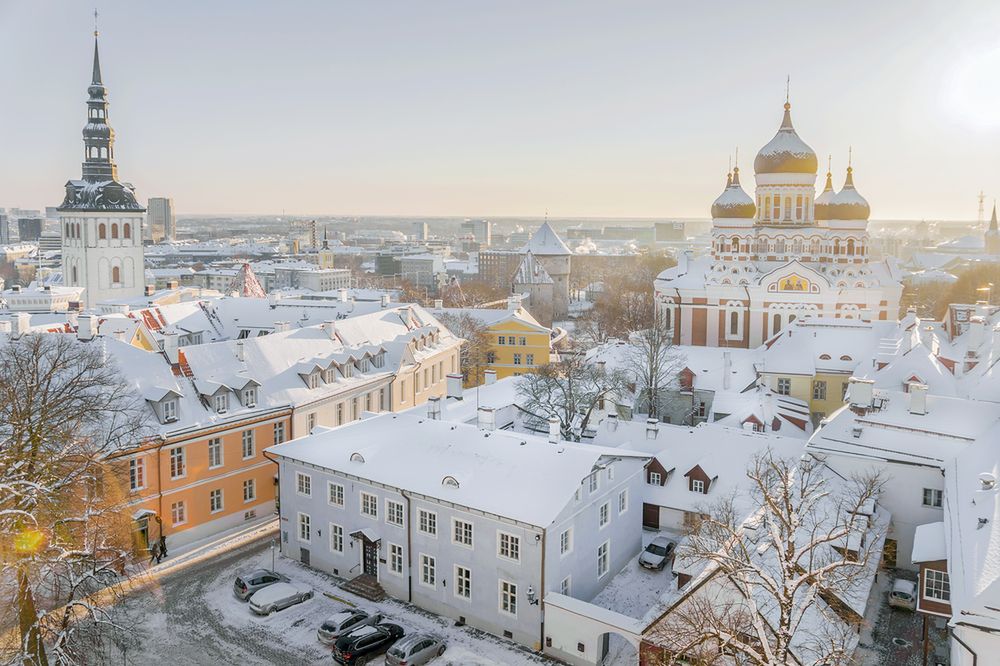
[(304, 556), (370, 559), (142, 535), (651, 516)]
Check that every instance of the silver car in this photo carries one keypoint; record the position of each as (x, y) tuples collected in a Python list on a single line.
[(414, 650), (278, 596), (249, 582), (344, 622), (657, 553)]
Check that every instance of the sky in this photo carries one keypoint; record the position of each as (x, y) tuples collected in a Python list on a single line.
[(457, 108)]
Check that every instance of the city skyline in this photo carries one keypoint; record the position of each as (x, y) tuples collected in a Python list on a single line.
[(587, 112)]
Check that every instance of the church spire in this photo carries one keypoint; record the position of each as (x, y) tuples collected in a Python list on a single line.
[(96, 78), (993, 219)]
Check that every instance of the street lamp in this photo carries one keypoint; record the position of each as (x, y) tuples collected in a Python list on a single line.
[(272, 553)]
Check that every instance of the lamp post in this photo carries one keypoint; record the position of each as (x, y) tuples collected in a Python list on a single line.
[(272, 554)]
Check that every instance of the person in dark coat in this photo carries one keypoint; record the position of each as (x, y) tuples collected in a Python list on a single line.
[(154, 553), (163, 546)]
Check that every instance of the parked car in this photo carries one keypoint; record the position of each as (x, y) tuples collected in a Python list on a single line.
[(657, 553), (343, 623), (903, 594), (359, 646), (249, 582), (414, 650), (278, 596)]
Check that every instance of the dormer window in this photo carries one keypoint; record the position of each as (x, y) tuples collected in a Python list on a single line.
[(169, 408), (330, 375), (346, 370), (250, 396), (379, 360), (221, 403), (697, 486), (449, 482), (313, 380)]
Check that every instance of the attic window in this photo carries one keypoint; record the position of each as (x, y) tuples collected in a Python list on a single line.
[(250, 396), (345, 370), (845, 357), (357, 457), (379, 359), (221, 403), (330, 375), (824, 357), (313, 380), (169, 410), (450, 482)]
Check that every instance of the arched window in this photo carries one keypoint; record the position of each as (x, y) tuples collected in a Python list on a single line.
[(767, 207), (734, 322), (836, 246), (798, 208), (815, 246), (116, 275), (736, 243), (850, 247), (73, 273), (127, 230), (76, 232), (667, 317), (102, 231), (788, 208), (69, 230), (779, 246), (114, 230), (775, 323), (776, 211)]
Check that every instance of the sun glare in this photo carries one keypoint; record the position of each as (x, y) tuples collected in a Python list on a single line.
[(973, 93)]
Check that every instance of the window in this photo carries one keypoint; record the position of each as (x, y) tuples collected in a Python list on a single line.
[(566, 541), (334, 493), (509, 546), (522, 341), (279, 433), (611, 472), (369, 505), (602, 558), (784, 385), (936, 585), (463, 582), (305, 528), (340, 413), (137, 473), (623, 501), (313, 380), (697, 485), (462, 533), (127, 230), (215, 500), (530, 359), (654, 479), (250, 397), (819, 390), (221, 403), (394, 512), (594, 482), (508, 597), (214, 453), (501, 340), (249, 448), (776, 210), (116, 273), (517, 359), (564, 586), (177, 462), (603, 514), (395, 558), (303, 484), (178, 513), (491, 357), (336, 538), (932, 498), (427, 573), (427, 522), (102, 231), (249, 490), (798, 207), (310, 421)]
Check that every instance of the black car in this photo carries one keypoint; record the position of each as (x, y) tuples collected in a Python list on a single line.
[(359, 646)]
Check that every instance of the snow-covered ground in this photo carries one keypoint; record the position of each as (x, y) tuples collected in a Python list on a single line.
[(192, 617)]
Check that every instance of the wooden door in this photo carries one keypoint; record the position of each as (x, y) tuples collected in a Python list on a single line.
[(651, 516), (371, 559)]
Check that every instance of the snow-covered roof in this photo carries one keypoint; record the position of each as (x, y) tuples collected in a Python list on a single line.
[(825, 345), (546, 242), (412, 452), (531, 271), (928, 543)]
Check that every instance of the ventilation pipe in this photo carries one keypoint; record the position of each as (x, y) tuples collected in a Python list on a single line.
[(89, 327), (491, 377), (434, 408), (555, 434), (454, 384), (486, 418)]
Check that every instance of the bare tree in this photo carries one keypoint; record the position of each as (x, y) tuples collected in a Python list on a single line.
[(569, 390), (655, 363), (475, 354), (64, 527), (773, 585)]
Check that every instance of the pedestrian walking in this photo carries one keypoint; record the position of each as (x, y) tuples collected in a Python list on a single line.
[(154, 553), (163, 547)]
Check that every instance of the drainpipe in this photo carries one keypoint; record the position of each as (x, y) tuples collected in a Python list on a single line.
[(541, 596), (409, 557), (159, 481)]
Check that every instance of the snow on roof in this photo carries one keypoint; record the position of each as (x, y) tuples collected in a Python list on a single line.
[(825, 345), (531, 271), (492, 316), (928, 543), (414, 453), (917, 363), (546, 242)]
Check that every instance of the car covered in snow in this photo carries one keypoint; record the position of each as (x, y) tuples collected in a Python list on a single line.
[(359, 646), (249, 582), (278, 596), (345, 622), (657, 553), (903, 594), (415, 650)]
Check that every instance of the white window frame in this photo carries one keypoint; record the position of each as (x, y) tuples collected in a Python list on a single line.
[(137, 473), (654, 479), (303, 484), (623, 501), (454, 533), (299, 523), (216, 454), (369, 500), (604, 515), (212, 494), (427, 519), (513, 544), (595, 482), (509, 595), (250, 396), (566, 542), (169, 408), (252, 485), (697, 486), (279, 433), (182, 462), (604, 557), (458, 580), (390, 505), (936, 497), (941, 579), (330, 485), (178, 508), (249, 443), (566, 586), (395, 556), (336, 538), (786, 382), (427, 563), (221, 403)]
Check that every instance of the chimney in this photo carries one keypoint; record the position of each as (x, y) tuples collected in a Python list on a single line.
[(119, 335), (974, 336), (272, 299), (485, 418), (612, 422), (343, 295), (555, 434), (240, 353), (4, 325), (513, 303), (88, 328), (438, 304), (434, 408), (149, 290), (491, 377), (20, 322), (330, 327), (282, 327), (170, 347), (172, 284), (455, 386), (652, 428), (727, 368), (918, 399), (72, 317), (861, 393), (386, 299)]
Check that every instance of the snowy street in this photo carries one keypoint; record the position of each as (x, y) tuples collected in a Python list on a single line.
[(190, 616)]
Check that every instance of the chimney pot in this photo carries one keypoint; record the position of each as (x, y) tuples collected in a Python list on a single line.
[(434, 408), (454, 384), (555, 433), (491, 377)]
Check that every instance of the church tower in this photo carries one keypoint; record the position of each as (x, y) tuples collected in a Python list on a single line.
[(100, 218), (993, 235)]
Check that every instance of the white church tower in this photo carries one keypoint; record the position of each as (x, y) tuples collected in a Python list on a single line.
[(100, 218)]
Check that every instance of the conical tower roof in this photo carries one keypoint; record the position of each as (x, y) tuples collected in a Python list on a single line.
[(546, 242)]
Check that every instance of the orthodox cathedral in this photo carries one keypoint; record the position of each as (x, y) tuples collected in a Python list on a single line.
[(784, 254)]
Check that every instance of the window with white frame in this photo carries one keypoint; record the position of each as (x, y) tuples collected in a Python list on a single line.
[(654, 479), (214, 452), (313, 380), (250, 396), (603, 514), (249, 490), (305, 528), (932, 498), (340, 413), (334, 494), (137, 473), (215, 500), (249, 444), (566, 541), (611, 472), (784, 386), (221, 403), (178, 462), (178, 513), (509, 546), (427, 522), (303, 484), (395, 558), (463, 582), (697, 485), (936, 585), (462, 532), (565, 586), (279, 433), (819, 390), (169, 410), (428, 575), (508, 597), (594, 482), (336, 538), (394, 512), (369, 505), (603, 559), (310, 421), (623, 501)]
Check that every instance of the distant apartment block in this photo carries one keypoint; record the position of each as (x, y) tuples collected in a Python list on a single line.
[(161, 222)]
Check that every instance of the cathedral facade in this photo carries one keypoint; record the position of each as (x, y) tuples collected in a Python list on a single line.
[(783, 254)]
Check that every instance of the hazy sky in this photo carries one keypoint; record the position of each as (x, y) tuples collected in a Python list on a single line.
[(502, 108)]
